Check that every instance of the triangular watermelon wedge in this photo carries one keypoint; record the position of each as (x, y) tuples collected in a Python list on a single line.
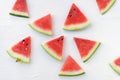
[(86, 47), (54, 47), (21, 50), (75, 19), (20, 9), (115, 65), (43, 25), (105, 5), (71, 68)]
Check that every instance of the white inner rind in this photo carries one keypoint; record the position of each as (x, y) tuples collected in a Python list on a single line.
[(76, 26), (51, 52), (71, 73), (33, 26), (18, 56), (108, 6), (91, 52), (115, 67), (19, 13)]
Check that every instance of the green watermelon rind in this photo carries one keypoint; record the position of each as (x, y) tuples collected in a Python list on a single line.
[(91, 53), (51, 52), (108, 7), (80, 72), (49, 33), (115, 68), (20, 14), (76, 26), (17, 56)]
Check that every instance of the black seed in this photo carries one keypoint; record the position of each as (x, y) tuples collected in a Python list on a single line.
[(74, 9), (23, 40), (61, 38), (70, 15), (26, 44)]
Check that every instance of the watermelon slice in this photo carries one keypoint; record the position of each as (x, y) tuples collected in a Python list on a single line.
[(86, 47), (115, 65), (75, 19), (20, 9), (54, 47), (21, 50), (105, 5), (71, 68), (43, 25)]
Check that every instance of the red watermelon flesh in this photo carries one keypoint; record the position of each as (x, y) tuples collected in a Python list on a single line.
[(86, 47), (104, 5), (75, 19), (43, 25), (54, 47), (75, 16), (21, 51), (115, 65), (20, 8), (117, 62), (71, 68)]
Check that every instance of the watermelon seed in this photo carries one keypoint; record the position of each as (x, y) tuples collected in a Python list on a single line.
[(74, 9), (27, 44), (70, 15), (23, 40), (62, 39)]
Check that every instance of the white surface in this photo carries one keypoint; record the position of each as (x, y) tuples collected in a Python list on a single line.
[(105, 29)]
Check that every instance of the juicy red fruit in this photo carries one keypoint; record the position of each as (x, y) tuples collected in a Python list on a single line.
[(20, 5), (70, 65), (23, 47), (103, 3), (44, 23), (56, 45), (84, 46), (75, 16), (117, 61)]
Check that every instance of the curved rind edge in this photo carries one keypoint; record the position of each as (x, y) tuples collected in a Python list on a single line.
[(108, 7), (51, 53), (16, 56), (20, 14), (77, 26), (80, 72), (40, 31), (115, 68), (91, 53)]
